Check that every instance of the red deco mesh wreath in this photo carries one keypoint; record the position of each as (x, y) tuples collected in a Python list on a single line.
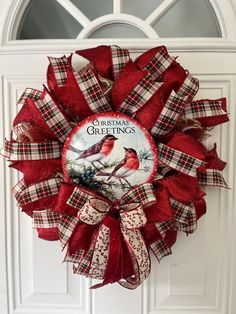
[(108, 236)]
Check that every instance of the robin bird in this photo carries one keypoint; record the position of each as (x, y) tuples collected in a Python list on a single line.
[(98, 151), (127, 166)]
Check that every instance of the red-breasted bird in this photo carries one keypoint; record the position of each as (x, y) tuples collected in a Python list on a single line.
[(126, 166), (98, 151)]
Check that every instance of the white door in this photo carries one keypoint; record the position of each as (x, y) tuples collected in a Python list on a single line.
[(200, 275)]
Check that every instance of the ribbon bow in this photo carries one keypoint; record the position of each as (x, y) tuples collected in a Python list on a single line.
[(132, 215), (104, 258), (93, 210)]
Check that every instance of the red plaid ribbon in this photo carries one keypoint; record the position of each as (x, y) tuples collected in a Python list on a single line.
[(31, 151), (175, 106), (18, 189), (178, 160), (74, 258), (181, 211), (29, 93), (184, 220), (212, 177), (119, 59), (204, 108), (160, 249), (143, 193), (190, 224), (39, 190), (163, 227), (45, 219), (140, 95), (189, 87), (54, 118), (83, 264), (79, 197), (185, 216), (159, 63), (66, 227), (92, 91), (60, 67)]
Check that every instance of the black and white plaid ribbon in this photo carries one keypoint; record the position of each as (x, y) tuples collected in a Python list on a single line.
[(174, 106), (204, 108), (119, 59), (92, 91), (139, 95), (31, 151), (211, 177), (60, 67), (159, 63), (178, 160), (53, 117)]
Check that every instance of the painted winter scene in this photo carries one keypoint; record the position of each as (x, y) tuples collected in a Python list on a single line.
[(110, 154)]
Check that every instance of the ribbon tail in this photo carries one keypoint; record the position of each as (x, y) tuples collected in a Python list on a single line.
[(140, 258), (112, 273)]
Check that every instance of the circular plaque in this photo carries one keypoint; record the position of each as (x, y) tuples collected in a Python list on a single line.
[(109, 153)]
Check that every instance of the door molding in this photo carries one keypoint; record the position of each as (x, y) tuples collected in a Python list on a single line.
[(14, 9)]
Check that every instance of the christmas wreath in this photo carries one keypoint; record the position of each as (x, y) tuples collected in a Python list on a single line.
[(113, 159)]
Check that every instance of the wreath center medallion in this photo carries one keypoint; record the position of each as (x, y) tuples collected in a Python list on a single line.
[(109, 153)]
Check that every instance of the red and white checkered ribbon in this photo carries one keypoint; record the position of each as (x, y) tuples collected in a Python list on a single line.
[(19, 188), (139, 95), (160, 249), (35, 192), (31, 151), (184, 220), (204, 108), (159, 63), (174, 106), (60, 67), (119, 59), (45, 219), (185, 216), (29, 93), (92, 91), (54, 117), (178, 160), (164, 227), (211, 177)]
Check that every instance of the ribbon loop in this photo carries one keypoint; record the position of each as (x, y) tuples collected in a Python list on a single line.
[(60, 67), (119, 59), (53, 117), (205, 108), (132, 216), (92, 91), (140, 95), (143, 194), (93, 211), (29, 93), (159, 63), (212, 177), (178, 160), (31, 151), (175, 106)]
